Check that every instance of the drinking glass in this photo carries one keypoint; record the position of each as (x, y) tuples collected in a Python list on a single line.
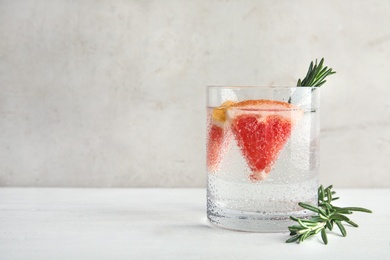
[(262, 155)]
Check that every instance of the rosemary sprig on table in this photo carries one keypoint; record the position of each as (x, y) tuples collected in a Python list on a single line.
[(316, 75), (327, 216)]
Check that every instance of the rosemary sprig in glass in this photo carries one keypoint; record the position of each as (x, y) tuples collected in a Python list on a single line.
[(327, 216), (316, 75)]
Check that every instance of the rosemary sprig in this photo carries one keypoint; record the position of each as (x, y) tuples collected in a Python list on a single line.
[(315, 76), (327, 216)]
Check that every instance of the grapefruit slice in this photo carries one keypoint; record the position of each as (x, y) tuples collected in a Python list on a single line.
[(219, 136), (261, 129)]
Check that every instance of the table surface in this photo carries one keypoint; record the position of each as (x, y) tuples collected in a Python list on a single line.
[(71, 223)]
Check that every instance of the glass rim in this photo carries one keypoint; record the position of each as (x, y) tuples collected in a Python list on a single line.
[(260, 87)]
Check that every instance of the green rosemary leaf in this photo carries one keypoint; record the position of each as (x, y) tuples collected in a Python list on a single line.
[(309, 207), (302, 224), (295, 228), (300, 83), (321, 83), (321, 63), (339, 217), (344, 211), (292, 239), (329, 225), (317, 219), (327, 205), (329, 187), (306, 235), (341, 227), (309, 72), (317, 231), (324, 236), (322, 192), (352, 223), (309, 80), (303, 236), (310, 234), (311, 220), (358, 209), (329, 195)]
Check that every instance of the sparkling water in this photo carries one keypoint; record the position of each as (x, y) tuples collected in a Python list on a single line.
[(235, 201)]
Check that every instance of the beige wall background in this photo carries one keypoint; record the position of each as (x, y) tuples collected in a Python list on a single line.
[(111, 93)]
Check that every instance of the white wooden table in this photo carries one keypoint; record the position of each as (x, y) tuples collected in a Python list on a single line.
[(54, 223)]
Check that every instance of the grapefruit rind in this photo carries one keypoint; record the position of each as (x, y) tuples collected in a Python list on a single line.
[(219, 113), (266, 107)]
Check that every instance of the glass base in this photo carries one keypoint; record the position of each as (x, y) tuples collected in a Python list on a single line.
[(253, 221)]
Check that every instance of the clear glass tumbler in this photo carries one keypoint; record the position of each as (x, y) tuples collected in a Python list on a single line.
[(262, 155)]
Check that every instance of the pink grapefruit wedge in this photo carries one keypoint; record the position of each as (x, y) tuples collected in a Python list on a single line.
[(261, 129), (219, 136)]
